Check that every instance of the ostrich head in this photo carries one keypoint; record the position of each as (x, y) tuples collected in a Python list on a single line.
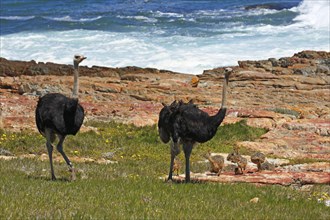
[(78, 59), (228, 71)]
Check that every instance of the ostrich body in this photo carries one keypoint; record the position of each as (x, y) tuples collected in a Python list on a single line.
[(185, 124), (58, 115), (258, 158), (177, 166), (267, 166), (217, 163), (241, 162)]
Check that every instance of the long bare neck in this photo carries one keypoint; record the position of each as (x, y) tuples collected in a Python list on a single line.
[(218, 118), (224, 92), (75, 81)]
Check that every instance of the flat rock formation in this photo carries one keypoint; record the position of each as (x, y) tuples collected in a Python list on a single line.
[(281, 174), (283, 178), (290, 97)]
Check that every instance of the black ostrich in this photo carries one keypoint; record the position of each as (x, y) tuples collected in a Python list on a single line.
[(185, 124), (59, 115)]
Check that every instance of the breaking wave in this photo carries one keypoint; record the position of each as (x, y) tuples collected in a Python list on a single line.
[(70, 19), (17, 18), (314, 13)]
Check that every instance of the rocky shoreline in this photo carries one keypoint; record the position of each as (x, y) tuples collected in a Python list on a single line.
[(289, 96)]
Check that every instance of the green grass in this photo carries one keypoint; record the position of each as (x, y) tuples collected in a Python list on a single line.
[(286, 111), (132, 188)]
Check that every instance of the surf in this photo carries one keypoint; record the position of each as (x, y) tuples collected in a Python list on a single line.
[(315, 14)]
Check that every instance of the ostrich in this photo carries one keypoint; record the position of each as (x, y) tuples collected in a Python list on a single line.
[(217, 162), (185, 124), (241, 161), (236, 157), (59, 115), (177, 166), (258, 158)]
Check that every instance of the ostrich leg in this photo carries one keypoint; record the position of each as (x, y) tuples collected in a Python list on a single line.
[(50, 151), (68, 162), (187, 148), (175, 150), (259, 166)]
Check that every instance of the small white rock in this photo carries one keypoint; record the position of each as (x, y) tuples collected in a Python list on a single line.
[(254, 200)]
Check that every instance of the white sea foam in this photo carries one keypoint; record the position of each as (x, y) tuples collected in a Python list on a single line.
[(167, 14), (22, 18), (262, 11), (140, 18), (314, 13), (186, 54), (210, 12), (70, 19), (177, 53)]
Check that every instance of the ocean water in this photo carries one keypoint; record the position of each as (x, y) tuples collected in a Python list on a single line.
[(186, 36)]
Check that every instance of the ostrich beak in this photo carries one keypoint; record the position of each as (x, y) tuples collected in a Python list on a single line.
[(82, 59)]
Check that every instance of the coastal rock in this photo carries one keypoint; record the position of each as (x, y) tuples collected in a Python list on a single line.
[(194, 81), (273, 6), (133, 77), (283, 178), (266, 123), (313, 55), (32, 68), (288, 97), (317, 126)]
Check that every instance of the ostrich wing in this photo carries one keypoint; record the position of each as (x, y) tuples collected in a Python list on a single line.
[(194, 124), (59, 113)]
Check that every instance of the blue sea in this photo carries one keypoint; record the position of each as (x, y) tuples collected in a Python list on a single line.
[(186, 36)]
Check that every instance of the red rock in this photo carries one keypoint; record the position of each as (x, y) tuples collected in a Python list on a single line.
[(134, 95), (194, 81), (244, 113), (264, 177)]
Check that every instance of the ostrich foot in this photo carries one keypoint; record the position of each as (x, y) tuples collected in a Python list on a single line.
[(169, 181)]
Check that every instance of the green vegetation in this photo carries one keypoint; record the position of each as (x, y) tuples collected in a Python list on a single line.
[(134, 187), (285, 111)]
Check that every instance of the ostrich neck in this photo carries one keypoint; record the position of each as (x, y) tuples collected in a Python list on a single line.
[(218, 118), (224, 93), (211, 160), (75, 81)]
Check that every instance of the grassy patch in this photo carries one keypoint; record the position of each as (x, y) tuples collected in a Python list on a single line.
[(294, 161), (132, 189), (228, 135), (286, 111)]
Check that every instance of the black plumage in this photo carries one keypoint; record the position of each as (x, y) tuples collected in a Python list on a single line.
[(58, 115), (185, 124), (63, 115)]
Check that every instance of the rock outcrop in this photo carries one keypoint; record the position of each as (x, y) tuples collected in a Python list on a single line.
[(289, 97)]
